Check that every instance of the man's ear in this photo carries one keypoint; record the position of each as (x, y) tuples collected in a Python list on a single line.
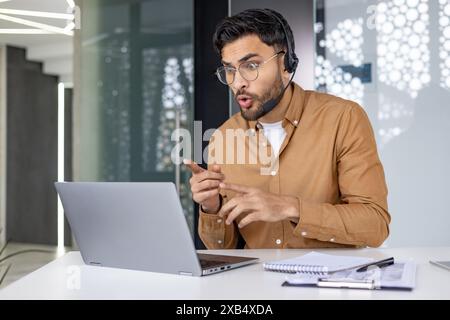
[(283, 65), (286, 76)]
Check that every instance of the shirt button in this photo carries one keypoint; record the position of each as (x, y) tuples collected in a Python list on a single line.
[(332, 240), (295, 122), (278, 241), (219, 241), (304, 233), (219, 220), (274, 173)]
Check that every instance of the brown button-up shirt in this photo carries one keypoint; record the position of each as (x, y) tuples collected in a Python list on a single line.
[(328, 161)]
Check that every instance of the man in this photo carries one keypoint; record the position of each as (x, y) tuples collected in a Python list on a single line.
[(327, 187)]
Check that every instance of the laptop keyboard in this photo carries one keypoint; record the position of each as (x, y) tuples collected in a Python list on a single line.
[(206, 264)]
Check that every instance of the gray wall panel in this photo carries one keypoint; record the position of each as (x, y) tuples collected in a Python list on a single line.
[(32, 145)]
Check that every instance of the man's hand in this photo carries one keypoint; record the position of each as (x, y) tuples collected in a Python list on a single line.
[(205, 186), (258, 206)]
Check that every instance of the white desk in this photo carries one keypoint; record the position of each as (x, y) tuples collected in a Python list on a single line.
[(58, 280)]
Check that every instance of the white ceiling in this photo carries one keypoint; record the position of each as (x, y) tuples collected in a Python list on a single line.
[(55, 51), (58, 6)]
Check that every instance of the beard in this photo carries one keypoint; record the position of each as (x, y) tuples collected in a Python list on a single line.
[(257, 111)]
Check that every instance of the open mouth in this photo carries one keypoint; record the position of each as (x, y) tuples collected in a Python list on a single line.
[(244, 101)]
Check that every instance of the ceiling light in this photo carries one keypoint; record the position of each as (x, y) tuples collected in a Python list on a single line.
[(24, 31), (64, 16), (42, 26), (71, 3)]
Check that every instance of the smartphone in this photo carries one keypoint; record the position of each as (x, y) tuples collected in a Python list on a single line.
[(442, 264)]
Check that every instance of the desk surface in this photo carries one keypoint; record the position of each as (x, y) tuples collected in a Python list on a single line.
[(69, 278)]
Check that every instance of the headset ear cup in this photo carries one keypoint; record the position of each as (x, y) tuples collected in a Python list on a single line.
[(287, 62), (290, 58), (290, 62), (294, 62)]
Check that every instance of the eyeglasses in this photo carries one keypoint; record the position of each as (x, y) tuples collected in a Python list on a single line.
[(248, 70)]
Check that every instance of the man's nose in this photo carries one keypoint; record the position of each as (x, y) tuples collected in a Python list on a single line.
[(239, 82)]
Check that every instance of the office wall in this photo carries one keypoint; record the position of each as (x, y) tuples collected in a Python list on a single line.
[(68, 153), (407, 101), (2, 143), (32, 146), (211, 101)]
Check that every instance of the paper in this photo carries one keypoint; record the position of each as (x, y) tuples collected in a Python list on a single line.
[(401, 275)]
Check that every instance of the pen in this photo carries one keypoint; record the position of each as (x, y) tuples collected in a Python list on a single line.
[(346, 283), (379, 264)]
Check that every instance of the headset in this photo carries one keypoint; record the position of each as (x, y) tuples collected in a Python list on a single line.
[(290, 59)]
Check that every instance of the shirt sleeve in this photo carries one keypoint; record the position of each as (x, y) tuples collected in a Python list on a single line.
[(212, 229), (214, 232), (361, 218)]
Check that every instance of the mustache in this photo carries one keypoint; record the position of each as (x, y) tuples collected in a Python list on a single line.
[(242, 92)]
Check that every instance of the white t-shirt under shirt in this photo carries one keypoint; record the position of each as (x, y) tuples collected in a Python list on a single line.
[(275, 133)]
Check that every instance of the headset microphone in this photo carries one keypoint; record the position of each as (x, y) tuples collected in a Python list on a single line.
[(272, 103)]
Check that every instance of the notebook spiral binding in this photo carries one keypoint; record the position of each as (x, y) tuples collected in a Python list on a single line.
[(293, 268)]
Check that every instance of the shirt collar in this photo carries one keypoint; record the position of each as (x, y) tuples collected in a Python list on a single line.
[(294, 111)]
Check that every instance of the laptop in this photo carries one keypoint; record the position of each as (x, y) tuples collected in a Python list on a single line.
[(138, 226)]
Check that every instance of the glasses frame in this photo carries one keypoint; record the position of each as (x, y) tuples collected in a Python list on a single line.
[(259, 65)]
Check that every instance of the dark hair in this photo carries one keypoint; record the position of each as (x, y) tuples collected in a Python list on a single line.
[(262, 22)]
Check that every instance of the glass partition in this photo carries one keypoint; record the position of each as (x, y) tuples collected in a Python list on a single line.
[(136, 87), (393, 58)]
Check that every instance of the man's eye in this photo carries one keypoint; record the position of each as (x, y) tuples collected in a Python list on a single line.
[(252, 66)]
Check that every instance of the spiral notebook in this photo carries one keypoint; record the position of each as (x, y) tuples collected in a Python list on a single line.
[(317, 264)]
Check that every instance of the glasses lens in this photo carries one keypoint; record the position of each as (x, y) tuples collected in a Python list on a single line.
[(225, 75), (249, 71)]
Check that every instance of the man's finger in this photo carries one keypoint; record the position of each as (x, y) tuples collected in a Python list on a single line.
[(247, 220), (216, 168), (195, 168), (206, 175), (237, 211), (228, 206), (205, 195), (236, 188), (205, 185)]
